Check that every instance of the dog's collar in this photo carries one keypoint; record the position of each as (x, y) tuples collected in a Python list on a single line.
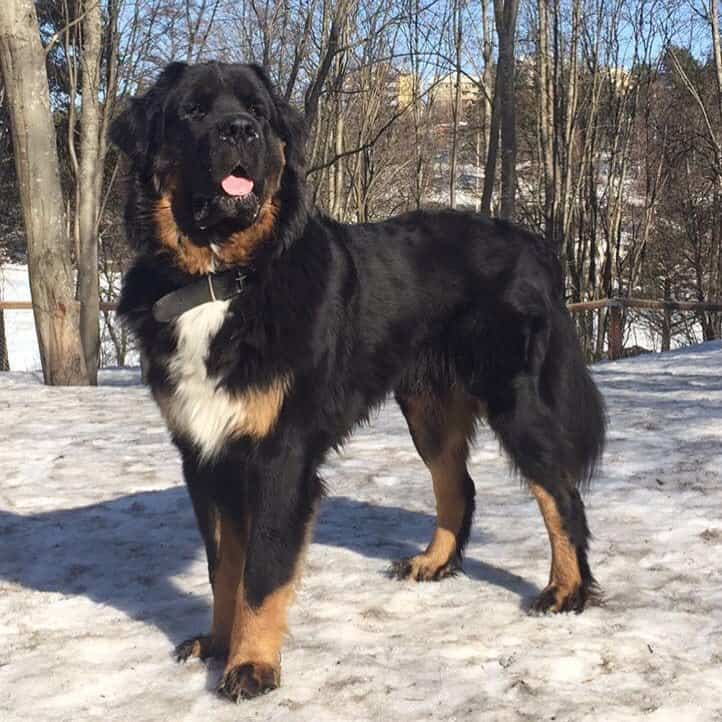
[(211, 287)]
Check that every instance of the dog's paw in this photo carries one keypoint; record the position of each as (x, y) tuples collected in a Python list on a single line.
[(202, 647), (423, 569), (555, 599), (249, 680)]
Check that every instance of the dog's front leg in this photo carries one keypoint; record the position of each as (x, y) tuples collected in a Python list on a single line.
[(224, 535), (279, 530)]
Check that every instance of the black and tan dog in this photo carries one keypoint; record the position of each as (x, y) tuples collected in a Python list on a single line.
[(271, 331)]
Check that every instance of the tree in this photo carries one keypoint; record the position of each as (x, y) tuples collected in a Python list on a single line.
[(8, 206), (89, 182), (89, 170), (57, 312), (503, 116)]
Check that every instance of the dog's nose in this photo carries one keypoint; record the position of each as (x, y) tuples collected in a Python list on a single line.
[(240, 128)]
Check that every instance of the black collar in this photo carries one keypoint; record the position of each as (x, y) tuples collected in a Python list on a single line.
[(212, 287)]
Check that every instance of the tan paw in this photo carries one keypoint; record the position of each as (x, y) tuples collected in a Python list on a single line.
[(248, 680), (423, 568), (556, 598)]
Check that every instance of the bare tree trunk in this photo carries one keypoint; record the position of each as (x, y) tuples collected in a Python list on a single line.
[(508, 108), (717, 51), (717, 54), (89, 182), (491, 154), (485, 105), (51, 276), (335, 172), (503, 115), (565, 184), (420, 111), (313, 93), (546, 118), (455, 103)]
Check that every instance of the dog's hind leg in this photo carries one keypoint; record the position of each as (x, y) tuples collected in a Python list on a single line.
[(570, 580), (441, 427), (540, 449)]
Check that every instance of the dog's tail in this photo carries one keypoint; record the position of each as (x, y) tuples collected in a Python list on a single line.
[(543, 404), (574, 398)]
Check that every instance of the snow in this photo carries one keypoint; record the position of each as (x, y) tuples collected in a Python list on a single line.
[(102, 573), (20, 335), (23, 353)]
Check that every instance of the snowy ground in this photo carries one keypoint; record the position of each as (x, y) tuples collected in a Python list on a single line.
[(101, 571)]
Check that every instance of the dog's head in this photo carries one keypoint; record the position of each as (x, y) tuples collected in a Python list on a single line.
[(219, 154)]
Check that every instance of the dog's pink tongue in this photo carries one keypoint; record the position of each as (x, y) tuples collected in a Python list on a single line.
[(236, 186)]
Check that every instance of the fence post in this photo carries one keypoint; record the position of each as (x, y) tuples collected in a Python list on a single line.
[(4, 360), (667, 317), (615, 329), (666, 329)]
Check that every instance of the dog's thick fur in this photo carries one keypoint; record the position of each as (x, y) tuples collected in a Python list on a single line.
[(461, 317)]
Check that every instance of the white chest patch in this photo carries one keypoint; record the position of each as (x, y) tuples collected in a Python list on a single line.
[(198, 409)]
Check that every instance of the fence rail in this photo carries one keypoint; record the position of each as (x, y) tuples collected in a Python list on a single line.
[(623, 302), (615, 306), (28, 306)]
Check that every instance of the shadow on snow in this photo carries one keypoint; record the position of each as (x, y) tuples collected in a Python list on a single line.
[(126, 553)]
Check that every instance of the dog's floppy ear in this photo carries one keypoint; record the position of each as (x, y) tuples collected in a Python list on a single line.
[(289, 123), (129, 131), (136, 129)]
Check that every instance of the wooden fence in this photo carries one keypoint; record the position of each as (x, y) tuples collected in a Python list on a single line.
[(28, 306), (615, 306)]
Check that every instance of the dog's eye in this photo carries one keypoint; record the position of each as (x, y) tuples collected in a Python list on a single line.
[(256, 110), (195, 111)]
